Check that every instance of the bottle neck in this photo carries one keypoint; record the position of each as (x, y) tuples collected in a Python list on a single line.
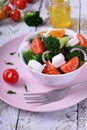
[(59, 2)]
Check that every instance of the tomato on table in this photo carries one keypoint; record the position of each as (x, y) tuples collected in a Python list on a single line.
[(10, 76), (50, 69), (37, 46), (15, 15), (8, 9), (12, 2), (20, 4), (82, 40), (71, 65)]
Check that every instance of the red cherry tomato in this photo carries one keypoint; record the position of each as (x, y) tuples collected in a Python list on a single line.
[(8, 9), (82, 40), (15, 15), (10, 76), (50, 69), (12, 2), (37, 46), (29, 1), (71, 65), (20, 4)]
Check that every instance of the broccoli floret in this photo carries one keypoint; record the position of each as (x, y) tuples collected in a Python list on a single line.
[(37, 57), (28, 55), (52, 44), (33, 18), (48, 56), (70, 55)]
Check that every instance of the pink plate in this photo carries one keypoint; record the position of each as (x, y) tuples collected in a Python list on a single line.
[(9, 54)]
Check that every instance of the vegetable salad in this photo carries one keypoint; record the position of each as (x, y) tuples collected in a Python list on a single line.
[(54, 52)]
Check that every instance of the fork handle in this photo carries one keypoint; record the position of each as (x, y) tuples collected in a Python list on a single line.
[(78, 84)]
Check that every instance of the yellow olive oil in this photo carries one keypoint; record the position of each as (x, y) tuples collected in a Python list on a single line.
[(59, 12)]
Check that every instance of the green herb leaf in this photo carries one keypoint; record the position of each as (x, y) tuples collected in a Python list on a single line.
[(25, 86), (12, 53), (9, 63), (11, 92)]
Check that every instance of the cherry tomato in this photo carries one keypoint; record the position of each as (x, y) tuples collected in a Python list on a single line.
[(29, 1), (8, 9), (71, 65), (20, 4), (82, 40), (15, 15), (3, 14), (10, 76), (50, 69), (12, 2), (37, 46)]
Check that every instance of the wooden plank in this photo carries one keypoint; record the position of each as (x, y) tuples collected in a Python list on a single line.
[(74, 15), (82, 115), (8, 116), (59, 120), (82, 106)]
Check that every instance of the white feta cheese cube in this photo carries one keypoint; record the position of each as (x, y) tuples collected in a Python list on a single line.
[(33, 64), (58, 60), (72, 41)]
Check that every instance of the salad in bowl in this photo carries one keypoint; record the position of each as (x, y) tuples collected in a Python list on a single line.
[(54, 56)]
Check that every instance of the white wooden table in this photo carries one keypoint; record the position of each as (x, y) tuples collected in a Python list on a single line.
[(72, 118)]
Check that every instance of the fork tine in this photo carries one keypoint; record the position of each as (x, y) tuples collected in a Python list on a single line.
[(31, 94), (37, 102), (35, 98)]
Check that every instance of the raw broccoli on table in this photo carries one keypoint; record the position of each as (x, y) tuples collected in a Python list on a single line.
[(32, 18)]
